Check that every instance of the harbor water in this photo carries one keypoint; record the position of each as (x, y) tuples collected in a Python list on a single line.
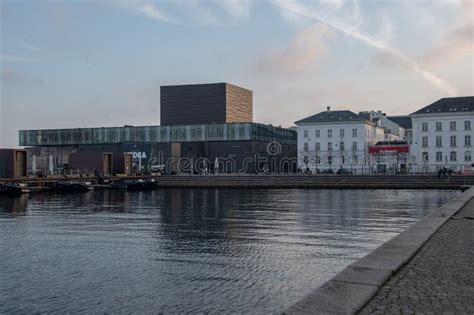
[(190, 250)]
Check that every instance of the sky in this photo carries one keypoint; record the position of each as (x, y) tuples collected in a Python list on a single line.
[(91, 63)]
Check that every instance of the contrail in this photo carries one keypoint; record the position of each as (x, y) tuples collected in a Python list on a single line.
[(412, 64)]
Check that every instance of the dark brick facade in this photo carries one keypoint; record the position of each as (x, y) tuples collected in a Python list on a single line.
[(214, 103)]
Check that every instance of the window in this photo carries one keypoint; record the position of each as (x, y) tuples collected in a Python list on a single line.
[(329, 133), (318, 146), (467, 141), (439, 141), (341, 145), (354, 133), (439, 126), (317, 133), (305, 133), (467, 156), (424, 126), (453, 141), (354, 145), (424, 156), (305, 147), (452, 125), (467, 125), (341, 133), (424, 141), (439, 156), (453, 156), (329, 146)]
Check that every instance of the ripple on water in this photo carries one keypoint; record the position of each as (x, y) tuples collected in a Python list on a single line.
[(190, 250)]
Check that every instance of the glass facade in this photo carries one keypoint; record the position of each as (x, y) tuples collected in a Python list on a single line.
[(157, 134)]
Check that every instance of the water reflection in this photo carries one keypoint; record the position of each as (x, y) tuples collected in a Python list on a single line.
[(14, 205), (190, 250)]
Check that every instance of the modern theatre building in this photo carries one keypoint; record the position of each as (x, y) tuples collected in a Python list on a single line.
[(204, 128)]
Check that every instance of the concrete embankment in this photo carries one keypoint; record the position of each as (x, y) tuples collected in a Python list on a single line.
[(274, 181), (351, 289), (317, 181), (439, 279)]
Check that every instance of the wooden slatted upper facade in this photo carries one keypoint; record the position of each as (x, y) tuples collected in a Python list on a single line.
[(214, 103)]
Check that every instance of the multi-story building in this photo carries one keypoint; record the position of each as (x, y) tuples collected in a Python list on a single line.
[(205, 127), (12, 163), (443, 135), (213, 103), (404, 122), (332, 140)]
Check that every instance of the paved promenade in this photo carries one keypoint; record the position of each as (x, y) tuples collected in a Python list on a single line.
[(439, 279)]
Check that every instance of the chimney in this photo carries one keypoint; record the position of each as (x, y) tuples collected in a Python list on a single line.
[(329, 109)]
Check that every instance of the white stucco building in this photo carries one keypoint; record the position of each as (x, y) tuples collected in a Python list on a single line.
[(404, 122), (443, 135), (340, 139)]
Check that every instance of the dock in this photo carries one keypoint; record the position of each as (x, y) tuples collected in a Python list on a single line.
[(456, 182), (317, 181)]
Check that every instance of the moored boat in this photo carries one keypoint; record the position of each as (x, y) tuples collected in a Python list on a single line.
[(15, 189), (118, 185), (72, 186), (141, 184)]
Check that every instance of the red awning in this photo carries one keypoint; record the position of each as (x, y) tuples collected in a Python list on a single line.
[(400, 148)]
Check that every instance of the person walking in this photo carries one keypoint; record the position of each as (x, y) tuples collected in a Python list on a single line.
[(450, 172)]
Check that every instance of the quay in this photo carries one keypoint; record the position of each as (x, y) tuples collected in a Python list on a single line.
[(317, 181), (427, 268), (456, 182)]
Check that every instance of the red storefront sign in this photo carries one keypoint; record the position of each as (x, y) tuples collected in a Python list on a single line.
[(399, 148)]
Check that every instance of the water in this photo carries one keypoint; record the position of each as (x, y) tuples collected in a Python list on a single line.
[(190, 250)]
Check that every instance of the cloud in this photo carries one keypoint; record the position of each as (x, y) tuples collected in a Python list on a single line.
[(199, 11), (388, 60), (307, 46), (14, 58), (19, 44), (146, 8), (238, 9), (13, 77), (332, 4), (410, 63), (454, 45), (386, 31), (216, 12), (457, 43)]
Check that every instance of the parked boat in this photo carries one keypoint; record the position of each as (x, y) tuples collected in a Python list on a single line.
[(72, 186), (141, 184), (15, 189), (118, 185)]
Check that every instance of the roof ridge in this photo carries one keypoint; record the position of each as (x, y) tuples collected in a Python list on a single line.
[(332, 116), (448, 105)]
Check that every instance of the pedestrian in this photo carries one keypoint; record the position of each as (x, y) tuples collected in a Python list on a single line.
[(440, 171)]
